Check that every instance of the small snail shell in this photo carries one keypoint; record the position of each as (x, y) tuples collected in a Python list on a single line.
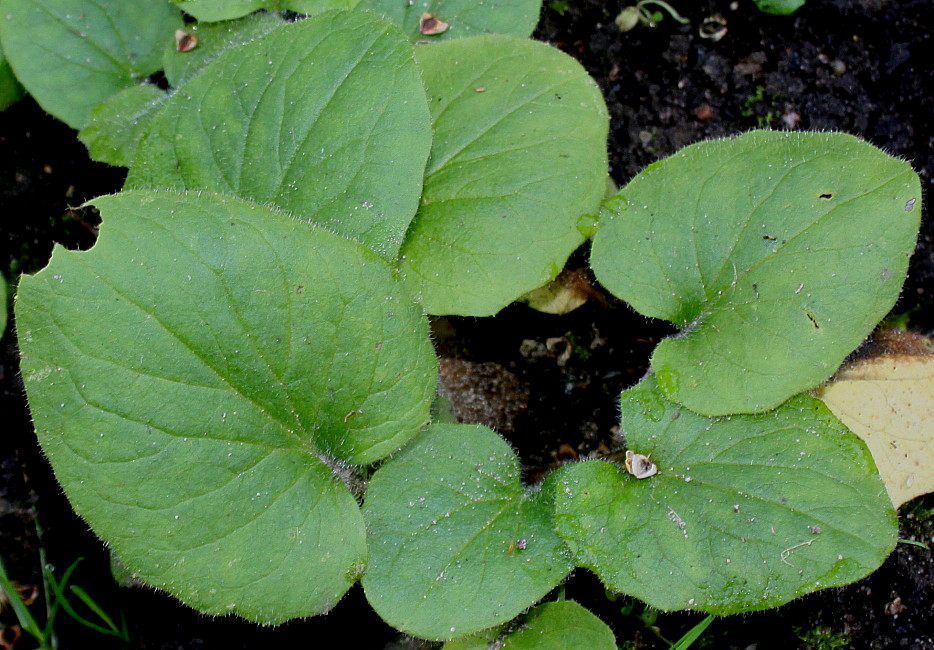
[(639, 465)]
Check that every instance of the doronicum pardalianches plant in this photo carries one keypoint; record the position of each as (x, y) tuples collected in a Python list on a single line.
[(298, 200)]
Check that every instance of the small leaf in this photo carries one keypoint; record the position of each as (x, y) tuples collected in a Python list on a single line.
[(193, 375), (477, 641), (185, 41), (116, 125), (776, 252), (218, 10), (888, 401), (564, 294), (10, 88), (745, 512), (463, 17), (213, 40), (456, 544), (779, 7), (4, 305), (324, 117), (519, 154), (558, 626), (73, 54), (430, 25)]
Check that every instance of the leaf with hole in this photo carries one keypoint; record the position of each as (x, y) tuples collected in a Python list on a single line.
[(777, 253), (325, 117), (199, 380), (73, 54), (746, 512), (518, 157), (456, 543)]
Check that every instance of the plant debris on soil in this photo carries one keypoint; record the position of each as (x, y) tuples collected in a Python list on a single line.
[(549, 384)]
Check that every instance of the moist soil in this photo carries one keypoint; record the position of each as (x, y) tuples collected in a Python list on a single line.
[(549, 384)]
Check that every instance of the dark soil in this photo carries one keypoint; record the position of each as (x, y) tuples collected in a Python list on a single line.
[(549, 384)]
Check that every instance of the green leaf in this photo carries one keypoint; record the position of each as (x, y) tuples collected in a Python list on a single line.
[(464, 17), (213, 40), (779, 7), (117, 124), (776, 252), (217, 10), (325, 117), (4, 305), (692, 635), (456, 544), (73, 54), (745, 512), (558, 626), (10, 88), (519, 154), (311, 7), (193, 375), (477, 641)]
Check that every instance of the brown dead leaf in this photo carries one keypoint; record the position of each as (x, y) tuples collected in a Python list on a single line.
[(185, 41), (567, 292), (888, 401), (430, 25)]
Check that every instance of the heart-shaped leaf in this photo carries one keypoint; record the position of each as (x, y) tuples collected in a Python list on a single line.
[(73, 54), (115, 126), (456, 544), (745, 513), (213, 40), (519, 154), (324, 117), (460, 17), (776, 252), (192, 376)]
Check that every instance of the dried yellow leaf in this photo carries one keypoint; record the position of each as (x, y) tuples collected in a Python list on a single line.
[(888, 401)]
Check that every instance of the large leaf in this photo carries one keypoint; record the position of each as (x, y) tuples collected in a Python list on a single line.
[(888, 401), (776, 252), (217, 10), (463, 17), (456, 544), (325, 117), (73, 54), (116, 125), (191, 376), (745, 512), (213, 39), (519, 155)]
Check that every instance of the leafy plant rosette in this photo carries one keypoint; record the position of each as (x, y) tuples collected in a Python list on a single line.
[(244, 354)]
